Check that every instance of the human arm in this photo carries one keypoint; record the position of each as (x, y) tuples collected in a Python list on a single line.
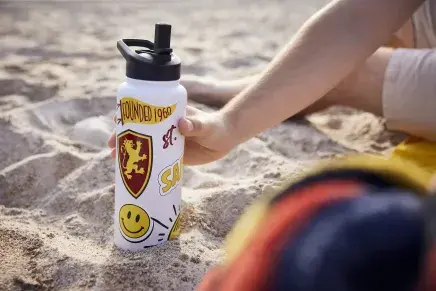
[(324, 51), (334, 41)]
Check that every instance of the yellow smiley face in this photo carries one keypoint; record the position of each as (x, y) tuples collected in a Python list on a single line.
[(134, 221)]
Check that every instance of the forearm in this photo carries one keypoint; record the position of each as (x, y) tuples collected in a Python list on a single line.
[(323, 52)]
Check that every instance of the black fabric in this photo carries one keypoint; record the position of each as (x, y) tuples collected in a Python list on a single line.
[(371, 242)]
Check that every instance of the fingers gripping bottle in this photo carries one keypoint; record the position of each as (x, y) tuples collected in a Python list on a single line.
[(149, 147)]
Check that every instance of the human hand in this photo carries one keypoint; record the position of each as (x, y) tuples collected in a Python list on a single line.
[(207, 137)]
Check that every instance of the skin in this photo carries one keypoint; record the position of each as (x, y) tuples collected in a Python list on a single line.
[(361, 89), (351, 34), (432, 186)]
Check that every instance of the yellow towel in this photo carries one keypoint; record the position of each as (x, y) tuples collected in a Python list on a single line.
[(412, 164), (419, 152)]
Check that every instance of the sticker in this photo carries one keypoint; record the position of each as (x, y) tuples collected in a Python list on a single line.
[(135, 159), (177, 226), (135, 111), (175, 229), (168, 137), (170, 177), (135, 224)]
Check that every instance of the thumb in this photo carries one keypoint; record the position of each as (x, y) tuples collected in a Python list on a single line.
[(193, 126)]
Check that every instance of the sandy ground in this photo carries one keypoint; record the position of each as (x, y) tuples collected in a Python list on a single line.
[(59, 70)]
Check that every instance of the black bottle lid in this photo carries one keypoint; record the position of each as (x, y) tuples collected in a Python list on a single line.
[(154, 63)]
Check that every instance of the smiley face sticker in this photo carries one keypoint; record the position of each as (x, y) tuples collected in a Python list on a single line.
[(135, 224)]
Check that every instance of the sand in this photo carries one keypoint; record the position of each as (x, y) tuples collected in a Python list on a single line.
[(59, 70)]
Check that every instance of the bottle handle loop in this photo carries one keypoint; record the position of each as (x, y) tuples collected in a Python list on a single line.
[(124, 44)]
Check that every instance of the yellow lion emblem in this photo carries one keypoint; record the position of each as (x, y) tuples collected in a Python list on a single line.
[(130, 165)]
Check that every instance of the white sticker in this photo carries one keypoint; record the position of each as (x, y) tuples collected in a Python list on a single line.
[(170, 177)]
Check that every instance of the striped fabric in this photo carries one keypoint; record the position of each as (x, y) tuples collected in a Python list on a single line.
[(342, 229)]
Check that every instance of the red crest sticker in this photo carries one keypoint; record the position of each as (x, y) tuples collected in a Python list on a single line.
[(135, 159)]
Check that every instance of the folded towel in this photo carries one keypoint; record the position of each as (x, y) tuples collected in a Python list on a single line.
[(356, 223)]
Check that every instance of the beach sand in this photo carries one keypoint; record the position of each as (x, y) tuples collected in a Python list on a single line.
[(59, 71)]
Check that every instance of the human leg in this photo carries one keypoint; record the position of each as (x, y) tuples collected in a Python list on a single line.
[(363, 84), (361, 89), (214, 92)]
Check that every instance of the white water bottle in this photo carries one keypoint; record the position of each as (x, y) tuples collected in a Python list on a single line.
[(149, 159)]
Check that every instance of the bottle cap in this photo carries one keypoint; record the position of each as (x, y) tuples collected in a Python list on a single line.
[(155, 61)]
